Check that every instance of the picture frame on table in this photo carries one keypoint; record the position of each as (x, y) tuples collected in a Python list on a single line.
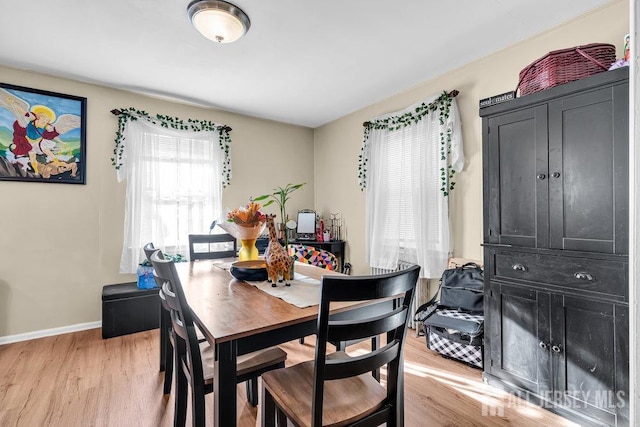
[(42, 136)]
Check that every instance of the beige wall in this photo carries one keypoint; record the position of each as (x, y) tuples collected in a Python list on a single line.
[(61, 243), (337, 144)]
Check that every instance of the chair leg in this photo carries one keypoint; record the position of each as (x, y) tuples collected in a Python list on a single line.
[(282, 418), (164, 331), (268, 412), (197, 405), (169, 363), (252, 391), (181, 391)]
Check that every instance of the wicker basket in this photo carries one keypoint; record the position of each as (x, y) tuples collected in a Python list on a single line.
[(566, 65)]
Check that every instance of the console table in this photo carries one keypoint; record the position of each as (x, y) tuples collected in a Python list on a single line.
[(336, 247)]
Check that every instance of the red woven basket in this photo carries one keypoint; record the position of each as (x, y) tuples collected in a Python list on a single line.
[(566, 65)]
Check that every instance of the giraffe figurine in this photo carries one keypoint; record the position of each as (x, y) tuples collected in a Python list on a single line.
[(277, 258)]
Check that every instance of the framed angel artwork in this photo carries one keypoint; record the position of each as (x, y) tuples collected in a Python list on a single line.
[(42, 136)]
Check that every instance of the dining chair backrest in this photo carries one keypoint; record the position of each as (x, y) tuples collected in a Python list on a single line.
[(149, 250), (166, 348), (314, 256), (229, 251), (187, 345), (398, 289)]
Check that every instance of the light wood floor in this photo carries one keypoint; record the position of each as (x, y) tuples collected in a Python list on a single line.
[(79, 379)]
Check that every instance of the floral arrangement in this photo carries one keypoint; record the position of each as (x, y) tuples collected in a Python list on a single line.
[(248, 216), (246, 222)]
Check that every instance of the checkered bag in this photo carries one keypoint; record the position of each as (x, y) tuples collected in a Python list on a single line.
[(456, 334), (448, 344)]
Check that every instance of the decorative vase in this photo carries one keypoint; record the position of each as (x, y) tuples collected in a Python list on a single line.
[(248, 250), (247, 234)]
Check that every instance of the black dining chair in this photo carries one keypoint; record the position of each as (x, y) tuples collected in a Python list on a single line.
[(194, 360), (166, 347), (336, 389), (219, 250)]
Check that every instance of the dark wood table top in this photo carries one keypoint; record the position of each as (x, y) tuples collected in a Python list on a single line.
[(228, 309)]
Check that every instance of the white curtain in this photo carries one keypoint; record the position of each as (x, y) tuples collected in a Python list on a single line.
[(406, 208), (174, 188)]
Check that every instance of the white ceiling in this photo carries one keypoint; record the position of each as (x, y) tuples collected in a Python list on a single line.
[(302, 62)]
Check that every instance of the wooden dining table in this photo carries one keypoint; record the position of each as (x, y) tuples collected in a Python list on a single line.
[(237, 318)]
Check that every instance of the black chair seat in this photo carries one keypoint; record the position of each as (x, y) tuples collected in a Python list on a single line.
[(345, 399), (336, 389)]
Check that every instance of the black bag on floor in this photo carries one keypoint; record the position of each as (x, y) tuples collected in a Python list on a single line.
[(462, 288), (454, 326)]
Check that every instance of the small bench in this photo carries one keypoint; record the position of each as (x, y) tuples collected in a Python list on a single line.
[(127, 309)]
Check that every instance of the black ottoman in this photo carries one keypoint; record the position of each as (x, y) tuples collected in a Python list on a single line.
[(127, 309)]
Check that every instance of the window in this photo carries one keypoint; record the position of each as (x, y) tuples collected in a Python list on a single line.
[(407, 211), (174, 188)]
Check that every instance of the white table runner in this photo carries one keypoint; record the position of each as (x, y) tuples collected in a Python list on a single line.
[(303, 292)]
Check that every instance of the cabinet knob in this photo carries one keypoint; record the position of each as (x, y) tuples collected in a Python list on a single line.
[(584, 276), (519, 267), (556, 175), (541, 176), (543, 345), (556, 349)]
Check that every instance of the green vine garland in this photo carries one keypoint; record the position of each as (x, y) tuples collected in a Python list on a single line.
[(443, 105), (131, 114)]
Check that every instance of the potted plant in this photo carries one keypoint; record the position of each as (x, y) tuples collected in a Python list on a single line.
[(280, 196)]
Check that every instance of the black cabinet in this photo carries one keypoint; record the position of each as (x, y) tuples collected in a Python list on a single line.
[(556, 167), (555, 188), (559, 340), (589, 357), (520, 321), (588, 170), (515, 199)]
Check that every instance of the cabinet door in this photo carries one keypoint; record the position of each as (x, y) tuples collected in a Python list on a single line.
[(590, 357), (517, 336), (588, 168), (515, 199)]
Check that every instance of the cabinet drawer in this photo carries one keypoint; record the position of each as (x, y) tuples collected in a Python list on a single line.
[(602, 277)]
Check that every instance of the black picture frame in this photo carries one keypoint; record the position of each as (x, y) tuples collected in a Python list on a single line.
[(42, 136)]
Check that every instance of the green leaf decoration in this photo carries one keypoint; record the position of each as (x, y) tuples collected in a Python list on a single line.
[(196, 125), (442, 106)]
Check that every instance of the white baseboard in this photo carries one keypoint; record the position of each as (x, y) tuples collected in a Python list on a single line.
[(49, 332)]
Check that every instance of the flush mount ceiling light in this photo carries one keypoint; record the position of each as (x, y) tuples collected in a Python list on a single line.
[(217, 20)]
